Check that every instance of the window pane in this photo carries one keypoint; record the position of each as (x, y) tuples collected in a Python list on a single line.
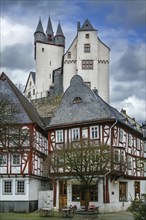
[(20, 187), (8, 187)]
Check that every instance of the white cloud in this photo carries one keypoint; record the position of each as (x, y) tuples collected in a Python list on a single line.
[(134, 107), (14, 33)]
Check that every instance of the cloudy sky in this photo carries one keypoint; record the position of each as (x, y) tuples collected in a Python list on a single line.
[(121, 25)]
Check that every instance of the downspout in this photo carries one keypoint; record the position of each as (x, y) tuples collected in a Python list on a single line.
[(105, 192)]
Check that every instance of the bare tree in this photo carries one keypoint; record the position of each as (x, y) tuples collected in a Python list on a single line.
[(83, 162)]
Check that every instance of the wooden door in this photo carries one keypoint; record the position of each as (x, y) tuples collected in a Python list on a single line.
[(62, 194)]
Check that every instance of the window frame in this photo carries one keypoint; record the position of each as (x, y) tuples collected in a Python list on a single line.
[(59, 136), (9, 192), (20, 191), (3, 159), (94, 134), (75, 134), (87, 64), (87, 48), (18, 159)]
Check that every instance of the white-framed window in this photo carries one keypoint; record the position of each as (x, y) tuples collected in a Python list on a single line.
[(20, 186), (75, 134), (16, 159), (7, 187), (3, 159), (129, 140), (121, 135), (59, 136), (94, 133), (129, 162)]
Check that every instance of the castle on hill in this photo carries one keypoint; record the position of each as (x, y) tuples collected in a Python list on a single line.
[(87, 56)]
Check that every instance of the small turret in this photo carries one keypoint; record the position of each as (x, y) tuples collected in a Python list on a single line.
[(49, 32), (59, 38), (39, 34)]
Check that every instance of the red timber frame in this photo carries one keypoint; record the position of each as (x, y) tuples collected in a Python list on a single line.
[(26, 150)]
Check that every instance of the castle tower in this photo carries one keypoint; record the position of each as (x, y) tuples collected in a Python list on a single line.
[(39, 34), (59, 37), (88, 56), (49, 52)]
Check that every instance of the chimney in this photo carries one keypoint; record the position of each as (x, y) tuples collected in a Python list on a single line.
[(78, 25)]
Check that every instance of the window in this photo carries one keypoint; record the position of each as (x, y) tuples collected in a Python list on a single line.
[(29, 94), (75, 134), (87, 64), (7, 187), (94, 132), (88, 84), (86, 48), (42, 49), (59, 136), (20, 186), (78, 193), (33, 91), (69, 55), (121, 135), (16, 159), (129, 162), (87, 35), (129, 140), (122, 191), (3, 160), (116, 156), (77, 100)]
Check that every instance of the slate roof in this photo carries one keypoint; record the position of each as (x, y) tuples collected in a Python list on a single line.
[(49, 30), (26, 113), (87, 26), (59, 30), (39, 27), (80, 104)]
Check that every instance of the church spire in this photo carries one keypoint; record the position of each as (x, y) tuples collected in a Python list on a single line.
[(49, 31)]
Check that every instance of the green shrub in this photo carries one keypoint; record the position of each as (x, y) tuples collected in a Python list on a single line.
[(138, 208)]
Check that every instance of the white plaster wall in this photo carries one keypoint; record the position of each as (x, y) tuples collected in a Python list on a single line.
[(46, 62), (99, 76), (13, 196), (70, 67)]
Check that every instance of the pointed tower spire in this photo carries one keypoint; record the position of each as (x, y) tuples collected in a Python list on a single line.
[(39, 34), (49, 31), (59, 38), (59, 30), (39, 27)]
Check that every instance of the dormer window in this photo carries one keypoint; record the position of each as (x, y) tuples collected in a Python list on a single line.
[(77, 100)]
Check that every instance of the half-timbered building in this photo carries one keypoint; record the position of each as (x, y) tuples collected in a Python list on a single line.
[(23, 148), (83, 117)]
